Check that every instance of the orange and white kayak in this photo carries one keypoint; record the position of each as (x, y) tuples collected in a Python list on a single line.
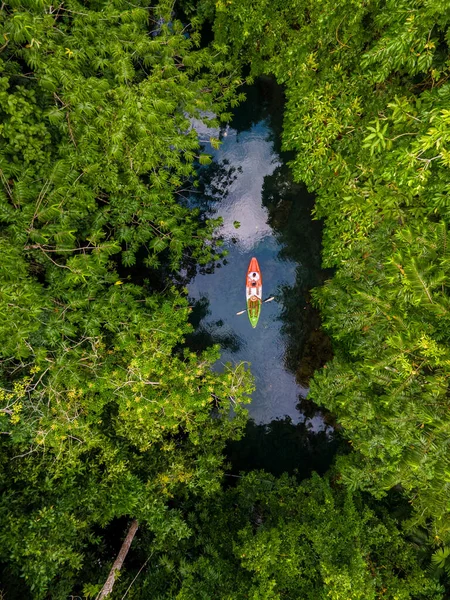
[(253, 291)]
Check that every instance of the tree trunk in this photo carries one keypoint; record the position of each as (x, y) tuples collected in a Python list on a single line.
[(109, 583)]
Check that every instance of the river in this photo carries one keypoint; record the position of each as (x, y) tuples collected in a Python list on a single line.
[(266, 215)]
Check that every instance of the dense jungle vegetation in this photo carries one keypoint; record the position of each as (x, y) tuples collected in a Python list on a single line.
[(106, 417)]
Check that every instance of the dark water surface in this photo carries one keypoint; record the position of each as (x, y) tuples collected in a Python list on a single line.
[(268, 216)]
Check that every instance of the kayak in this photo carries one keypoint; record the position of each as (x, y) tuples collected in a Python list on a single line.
[(253, 291)]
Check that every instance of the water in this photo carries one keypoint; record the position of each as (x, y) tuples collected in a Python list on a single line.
[(267, 216)]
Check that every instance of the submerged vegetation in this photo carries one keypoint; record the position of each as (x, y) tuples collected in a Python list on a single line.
[(105, 416)]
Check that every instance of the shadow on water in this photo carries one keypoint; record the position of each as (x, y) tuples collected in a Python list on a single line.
[(308, 346), (204, 334), (264, 102), (282, 446)]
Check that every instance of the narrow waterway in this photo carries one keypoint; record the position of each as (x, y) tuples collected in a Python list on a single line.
[(265, 215)]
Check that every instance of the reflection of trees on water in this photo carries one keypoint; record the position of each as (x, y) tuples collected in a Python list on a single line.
[(214, 184), (289, 206), (204, 336), (264, 102), (281, 446)]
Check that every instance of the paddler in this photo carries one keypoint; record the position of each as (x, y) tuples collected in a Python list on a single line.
[(254, 280)]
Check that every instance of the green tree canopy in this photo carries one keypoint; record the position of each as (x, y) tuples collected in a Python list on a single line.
[(271, 538), (103, 414)]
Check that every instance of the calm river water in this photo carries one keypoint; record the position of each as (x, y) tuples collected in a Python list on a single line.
[(268, 216)]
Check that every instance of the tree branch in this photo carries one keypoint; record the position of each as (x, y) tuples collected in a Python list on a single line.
[(109, 583)]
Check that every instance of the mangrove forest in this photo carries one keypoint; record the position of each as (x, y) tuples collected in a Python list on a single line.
[(155, 443)]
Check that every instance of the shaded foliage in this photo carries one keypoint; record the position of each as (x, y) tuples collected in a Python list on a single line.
[(270, 538)]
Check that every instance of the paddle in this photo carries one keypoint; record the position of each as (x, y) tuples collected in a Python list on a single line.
[(263, 302)]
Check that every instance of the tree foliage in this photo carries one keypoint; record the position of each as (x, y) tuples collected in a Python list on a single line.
[(271, 538), (103, 413)]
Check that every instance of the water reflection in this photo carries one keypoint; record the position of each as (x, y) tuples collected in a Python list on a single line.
[(207, 332), (264, 215), (282, 446), (299, 237), (236, 179)]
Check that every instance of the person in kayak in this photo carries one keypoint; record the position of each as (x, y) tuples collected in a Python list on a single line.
[(254, 280)]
